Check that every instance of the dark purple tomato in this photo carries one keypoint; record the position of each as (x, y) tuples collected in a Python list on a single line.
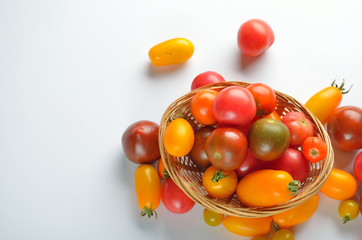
[(198, 152), (250, 164)]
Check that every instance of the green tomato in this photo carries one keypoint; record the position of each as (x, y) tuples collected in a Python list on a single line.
[(283, 234), (268, 139), (212, 218)]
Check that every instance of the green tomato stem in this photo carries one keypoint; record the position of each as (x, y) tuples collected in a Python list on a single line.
[(294, 187), (149, 212), (219, 175)]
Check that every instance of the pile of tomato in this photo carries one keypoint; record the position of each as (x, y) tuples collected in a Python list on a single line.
[(245, 147)]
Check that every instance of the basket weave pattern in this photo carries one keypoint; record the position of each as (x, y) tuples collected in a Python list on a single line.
[(188, 176)]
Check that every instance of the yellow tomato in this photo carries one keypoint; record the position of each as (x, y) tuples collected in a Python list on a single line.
[(340, 185), (248, 227), (219, 183), (348, 210), (172, 51)]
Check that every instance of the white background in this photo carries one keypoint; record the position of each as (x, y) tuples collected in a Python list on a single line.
[(75, 74)]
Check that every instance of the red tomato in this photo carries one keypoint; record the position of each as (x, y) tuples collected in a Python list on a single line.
[(357, 167), (300, 127), (254, 37), (226, 148), (234, 106), (314, 149), (201, 106), (206, 78), (345, 128), (265, 98), (250, 164), (198, 152), (174, 199), (293, 162)]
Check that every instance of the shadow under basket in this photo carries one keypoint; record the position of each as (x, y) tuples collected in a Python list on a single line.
[(188, 176)]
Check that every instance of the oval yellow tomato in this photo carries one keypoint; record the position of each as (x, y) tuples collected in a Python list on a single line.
[(179, 137), (172, 51), (340, 185), (248, 227)]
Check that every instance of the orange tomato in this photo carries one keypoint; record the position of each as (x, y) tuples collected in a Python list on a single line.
[(219, 183), (162, 172), (148, 189), (248, 227), (179, 137), (201, 106), (298, 214), (274, 115), (264, 188), (340, 185)]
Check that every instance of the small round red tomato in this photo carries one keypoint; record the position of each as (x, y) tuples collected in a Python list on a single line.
[(201, 106), (198, 152), (162, 172), (357, 167), (340, 185), (300, 127), (248, 227), (234, 106), (140, 142), (254, 37), (293, 162), (226, 148), (345, 128), (265, 98), (212, 218), (174, 199), (250, 164), (219, 183), (314, 149), (206, 78)]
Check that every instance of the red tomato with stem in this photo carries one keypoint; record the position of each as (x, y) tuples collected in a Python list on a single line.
[(201, 106), (357, 167), (314, 149), (300, 127), (265, 98), (174, 199), (206, 78)]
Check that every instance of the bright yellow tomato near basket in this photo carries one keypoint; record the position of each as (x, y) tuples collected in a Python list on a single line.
[(179, 137), (248, 227), (219, 183), (172, 51)]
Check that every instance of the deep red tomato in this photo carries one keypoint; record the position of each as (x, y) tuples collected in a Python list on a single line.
[(293, 162), (234, 106), (357, 167), (174, 199), (254, 37), (250, 164), (314, 149), (198, 153), (300, 127), (265, 98), (140, 142), (345, 128), (206, 78), (226, 148), (201, 106)]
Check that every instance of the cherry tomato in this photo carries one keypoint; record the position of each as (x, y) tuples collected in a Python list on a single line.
[(250, 164), (234, 106), (179, 137), (300, 127), (265, 98), (219, 183), (212, 218), (174, 199), (268, 139), (298, 214), (314, 149), (162, 172), (255, 37), (226, 148), (283, 234), (206, 78), (340, 185), (148, 189), (357, 167), (345, 128), (264, 188), (198, 152), (348, 210), (248, 227), (201, 106), (172, 51), (325, 101), (140, 142), (293, 162)]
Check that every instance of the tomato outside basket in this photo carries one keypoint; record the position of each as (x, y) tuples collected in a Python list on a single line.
[(188, 176)]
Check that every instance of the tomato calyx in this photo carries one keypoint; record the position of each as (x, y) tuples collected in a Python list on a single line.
[(294, 187), (346, 219), (341, 87), (149, 212), (314, 152), (165, 174), (219, 175), (276, 226)]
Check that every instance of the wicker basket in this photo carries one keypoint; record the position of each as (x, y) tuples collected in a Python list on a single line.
[(188, 176)]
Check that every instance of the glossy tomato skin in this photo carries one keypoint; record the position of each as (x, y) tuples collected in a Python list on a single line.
[(140, 142), (226, 148), (268, 139), (250, 164), (345, 128), (201, 106), (283, 234), (234, 106), (221, 188), (212, 218), (206, 78), (340, 185), (314, 149), (300, 127), (254, 37), (174, 199), (293, 162), (348, 210), (357, 167), (265, 98), (248, 227), (198, 151)]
